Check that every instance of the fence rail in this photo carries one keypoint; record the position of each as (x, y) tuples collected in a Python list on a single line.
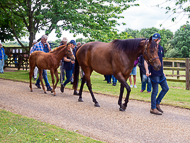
[(17, 58), (176, 62)]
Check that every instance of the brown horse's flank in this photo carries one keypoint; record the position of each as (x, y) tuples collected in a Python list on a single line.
[(49, 61), (114, 58)]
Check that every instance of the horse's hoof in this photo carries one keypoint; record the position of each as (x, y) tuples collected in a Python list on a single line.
[(97, 104), (55, 95), (122, 108), (80, 100), (31, 90), (45, 92)]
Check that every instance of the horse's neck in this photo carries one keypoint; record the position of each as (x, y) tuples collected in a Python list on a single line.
[(59, 53)]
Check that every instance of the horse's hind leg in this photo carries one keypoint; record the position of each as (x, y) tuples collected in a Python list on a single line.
[(32, 66), (30, 77)]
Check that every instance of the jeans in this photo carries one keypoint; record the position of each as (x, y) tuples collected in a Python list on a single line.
[(1, 66), (145, 80), (68, 76), (44, 74), (114, 80), (162, 93), (62, 74), (108, 78)]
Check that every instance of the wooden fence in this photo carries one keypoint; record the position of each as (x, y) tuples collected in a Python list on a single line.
[(174, 64), (17, 58)]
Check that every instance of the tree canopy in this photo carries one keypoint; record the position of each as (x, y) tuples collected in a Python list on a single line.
[(181, 43), (96, 19)]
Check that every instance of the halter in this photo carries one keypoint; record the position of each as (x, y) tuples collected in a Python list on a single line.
[(145, 52)]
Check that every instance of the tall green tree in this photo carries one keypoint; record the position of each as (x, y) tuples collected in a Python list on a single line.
[(181, 43), (96, 19)]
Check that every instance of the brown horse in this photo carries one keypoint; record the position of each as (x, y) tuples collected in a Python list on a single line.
[(114, 58), (49, 61)]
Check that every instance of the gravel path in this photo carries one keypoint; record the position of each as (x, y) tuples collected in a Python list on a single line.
[(106, 123)]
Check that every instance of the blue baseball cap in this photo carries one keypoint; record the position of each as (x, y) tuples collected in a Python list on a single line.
[(156, 36), (73, 42)]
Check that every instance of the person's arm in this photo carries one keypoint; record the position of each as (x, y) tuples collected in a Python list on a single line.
[(146, 68), (48, 46), (68, 60)]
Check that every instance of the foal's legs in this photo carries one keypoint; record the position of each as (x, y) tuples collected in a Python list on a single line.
[(40, 77), (30, 76), (53, 80)]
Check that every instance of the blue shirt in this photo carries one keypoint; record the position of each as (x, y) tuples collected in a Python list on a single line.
[(159, 72), (1, 53), (40, 47)]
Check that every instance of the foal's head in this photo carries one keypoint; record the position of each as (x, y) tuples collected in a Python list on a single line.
[(151, 53), (69, 52)]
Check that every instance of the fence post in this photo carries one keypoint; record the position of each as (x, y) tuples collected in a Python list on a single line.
[(178, 65), (187, 74), (172, 70)]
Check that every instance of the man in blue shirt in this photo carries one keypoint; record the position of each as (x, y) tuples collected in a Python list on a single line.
[(43, 46), (2, 56), (157, 77)]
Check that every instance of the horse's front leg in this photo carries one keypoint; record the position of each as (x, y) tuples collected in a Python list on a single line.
[(40, 77), (57, 79), (81, 89), (53, 81), (90, 89), (120, 97), (123, 82)]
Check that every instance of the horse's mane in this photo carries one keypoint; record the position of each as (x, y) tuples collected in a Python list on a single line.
[(57, 48), (127, 45)]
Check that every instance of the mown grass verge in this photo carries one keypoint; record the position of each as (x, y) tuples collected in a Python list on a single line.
[(16, 128)]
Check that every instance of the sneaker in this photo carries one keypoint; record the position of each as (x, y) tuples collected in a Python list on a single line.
[(114, 84), (135, 86), (62, 88), (49, 88), (131, 86), (148, 92), (38, 86), (141, 90)]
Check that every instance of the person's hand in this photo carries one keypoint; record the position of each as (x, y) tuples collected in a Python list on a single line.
[(72, 62), (148, 74)]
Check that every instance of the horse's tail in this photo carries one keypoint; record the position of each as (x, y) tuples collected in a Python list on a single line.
[(76, 72)]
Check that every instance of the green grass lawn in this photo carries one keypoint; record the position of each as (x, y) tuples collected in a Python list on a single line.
[(177, 95), (16, 128)]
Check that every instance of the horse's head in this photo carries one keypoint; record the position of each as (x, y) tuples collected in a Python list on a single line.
[(69, 52), (151, 53)]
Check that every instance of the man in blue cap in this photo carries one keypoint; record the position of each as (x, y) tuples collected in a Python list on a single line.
[(157, 77), (69, 67)]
